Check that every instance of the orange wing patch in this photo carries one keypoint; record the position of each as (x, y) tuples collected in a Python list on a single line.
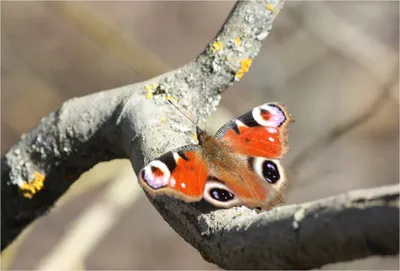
[(182, 174), (261, 132), (189, 177), (256, 141)]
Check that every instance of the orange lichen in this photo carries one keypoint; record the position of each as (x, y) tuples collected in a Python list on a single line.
[(217, 46), (34, 186), (244, 67)]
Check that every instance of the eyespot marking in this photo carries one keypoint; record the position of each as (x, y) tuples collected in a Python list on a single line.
[(156, 171), (156, 174), (265, 114), (269, 115), (218, 194), (270, 171), (266, 169), (221, 194)]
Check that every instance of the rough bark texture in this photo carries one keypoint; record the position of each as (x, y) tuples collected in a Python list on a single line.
[(138, 123), (341, 228)]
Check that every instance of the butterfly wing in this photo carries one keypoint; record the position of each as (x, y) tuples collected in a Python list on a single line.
[(181, 173), (271, 174), (236, 167), (256, 140), (256, 182), (261, 132)]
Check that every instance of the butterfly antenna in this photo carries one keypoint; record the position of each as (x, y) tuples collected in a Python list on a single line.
[(184, 115)]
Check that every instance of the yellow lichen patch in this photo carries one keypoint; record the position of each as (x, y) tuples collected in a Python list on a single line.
[(217, 46), (172, 98), (149, 95), (270, 7), (155, 85), (149, 92), (195, 137), (163, 119), (34, 186), (238, 40), (244, 67)]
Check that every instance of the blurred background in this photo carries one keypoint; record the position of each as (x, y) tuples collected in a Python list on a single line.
[(334, 64)]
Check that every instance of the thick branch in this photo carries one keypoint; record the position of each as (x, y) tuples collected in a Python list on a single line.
[(341, 228), (133, 122)]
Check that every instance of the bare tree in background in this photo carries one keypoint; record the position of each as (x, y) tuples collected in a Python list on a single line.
[(128, 122)]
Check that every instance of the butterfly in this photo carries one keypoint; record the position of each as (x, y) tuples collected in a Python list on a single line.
[(238, 166)]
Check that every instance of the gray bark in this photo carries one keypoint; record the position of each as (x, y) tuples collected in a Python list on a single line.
[(305, 236)]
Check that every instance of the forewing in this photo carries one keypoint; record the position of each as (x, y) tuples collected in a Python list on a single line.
[(261, 132), (181, 173)]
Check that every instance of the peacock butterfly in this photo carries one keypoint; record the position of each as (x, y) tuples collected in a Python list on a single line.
[(238, 166)]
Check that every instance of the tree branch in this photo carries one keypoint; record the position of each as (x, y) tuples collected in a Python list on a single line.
[(132, 122), (341, 228)]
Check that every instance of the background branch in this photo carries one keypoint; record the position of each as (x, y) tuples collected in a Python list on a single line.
[(337, 132)]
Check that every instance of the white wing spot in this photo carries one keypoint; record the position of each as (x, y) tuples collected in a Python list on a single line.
[(271, 139), (176, 157), (172, 182), (271, 130), (183, 185), (239, 123)]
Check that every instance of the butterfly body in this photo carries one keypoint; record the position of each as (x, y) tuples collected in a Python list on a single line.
[(235, 167)]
